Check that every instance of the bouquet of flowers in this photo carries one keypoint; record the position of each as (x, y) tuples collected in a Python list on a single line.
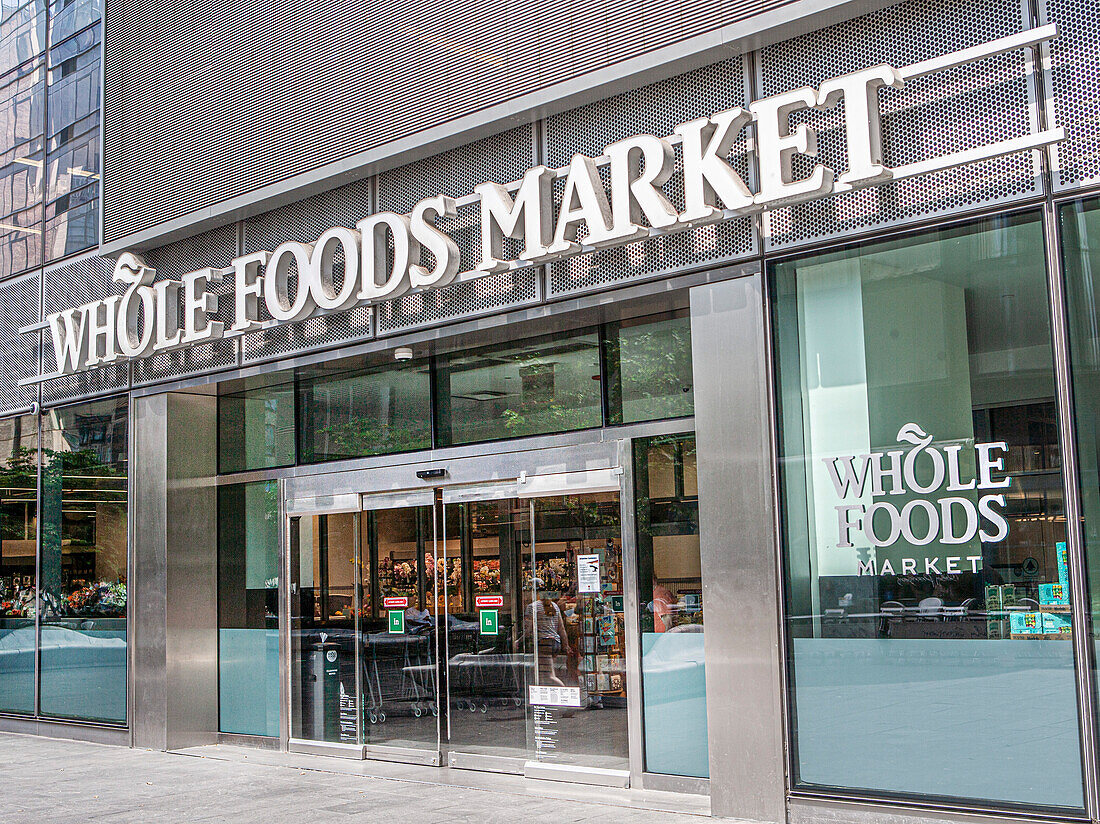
[(404, 574)]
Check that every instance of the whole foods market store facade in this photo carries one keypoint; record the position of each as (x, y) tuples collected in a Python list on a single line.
[(772, 500)]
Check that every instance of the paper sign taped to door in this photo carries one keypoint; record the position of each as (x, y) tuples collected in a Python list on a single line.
[(588, 573), (554, 696)]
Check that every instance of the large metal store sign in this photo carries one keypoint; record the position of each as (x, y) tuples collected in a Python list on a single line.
[(388, 254)]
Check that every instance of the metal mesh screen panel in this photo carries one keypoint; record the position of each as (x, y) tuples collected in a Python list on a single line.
[(501, 158), (214, 249), (1073, 83), (18, 353), (77, 282), (72, 284), (305, 221), (654, 109), (272, 92), (85, 384), (949, 111)]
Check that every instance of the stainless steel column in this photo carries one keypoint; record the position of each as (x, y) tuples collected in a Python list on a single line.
[(174, 574), (738, 551)]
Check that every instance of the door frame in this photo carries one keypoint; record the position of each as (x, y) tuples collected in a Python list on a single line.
[(311, 490)]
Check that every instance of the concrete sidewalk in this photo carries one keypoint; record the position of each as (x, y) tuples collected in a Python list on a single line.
[(47, 780)]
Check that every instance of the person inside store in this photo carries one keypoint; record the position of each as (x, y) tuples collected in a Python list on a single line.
[(662, 603), (544, 623)]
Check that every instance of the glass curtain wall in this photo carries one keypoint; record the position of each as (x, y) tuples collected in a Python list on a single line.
[(49, 140), (639, 369), (1080, 228), (256, 424), (248, 608), (72, 128), (22, 150), (923, 526), (349, 410), (84, 561), (670, 587), (18, 542)]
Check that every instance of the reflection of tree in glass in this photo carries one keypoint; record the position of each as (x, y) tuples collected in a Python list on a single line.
[(545, 405), (655, 365), (363, 436), (84, 478)]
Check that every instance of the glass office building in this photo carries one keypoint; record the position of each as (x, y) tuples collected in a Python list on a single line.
[(792, 508)]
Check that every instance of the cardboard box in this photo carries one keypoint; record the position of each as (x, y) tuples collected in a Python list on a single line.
[(1056, 624), (1026, 623), (1053, 594), (1063, 565)]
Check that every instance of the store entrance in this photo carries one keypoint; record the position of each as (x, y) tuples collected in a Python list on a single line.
[(468, 626)]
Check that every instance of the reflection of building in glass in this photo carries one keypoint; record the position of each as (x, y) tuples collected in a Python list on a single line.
[(49, 123)]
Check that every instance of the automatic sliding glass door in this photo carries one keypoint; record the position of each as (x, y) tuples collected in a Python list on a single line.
[(489, 655), (502, 641), (535, 639), (399, 640), (364, 646)]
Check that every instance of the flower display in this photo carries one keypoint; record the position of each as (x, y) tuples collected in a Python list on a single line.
[(486, 576), (104, 599)]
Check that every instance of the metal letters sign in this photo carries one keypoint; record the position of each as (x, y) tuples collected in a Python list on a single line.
[(387, 254)]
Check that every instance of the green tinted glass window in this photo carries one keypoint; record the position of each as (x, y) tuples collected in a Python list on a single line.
[(649, 369), (540, 386), (256, 424), (351, 412)]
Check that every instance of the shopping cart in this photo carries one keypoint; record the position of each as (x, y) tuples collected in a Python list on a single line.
[(393, 667), (485, 676)]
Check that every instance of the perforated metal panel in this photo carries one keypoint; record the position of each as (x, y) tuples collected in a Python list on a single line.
[(77, 282), (215, 249), (88, 384), (654, 109), (206, 102), (72, 284), (305, 221), (501, 159), (950, 111), (1073, 87), (19, 299)]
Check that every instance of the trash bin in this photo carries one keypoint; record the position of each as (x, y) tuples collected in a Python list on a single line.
[(321, 702)]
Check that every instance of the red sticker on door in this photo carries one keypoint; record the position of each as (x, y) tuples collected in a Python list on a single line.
[(483, 601), (395, 601)]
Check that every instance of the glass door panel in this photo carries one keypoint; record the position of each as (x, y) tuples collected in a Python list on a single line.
[(399, 641), (324, 602), (576, 618), (489, 658)]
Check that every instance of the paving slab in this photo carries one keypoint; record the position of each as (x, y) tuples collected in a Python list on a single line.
[(51, 781)]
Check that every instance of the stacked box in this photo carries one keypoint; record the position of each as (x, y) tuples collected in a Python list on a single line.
[(997, 598), (1056, 624), (1053, 594), (1026, 623), (1063, 565)]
